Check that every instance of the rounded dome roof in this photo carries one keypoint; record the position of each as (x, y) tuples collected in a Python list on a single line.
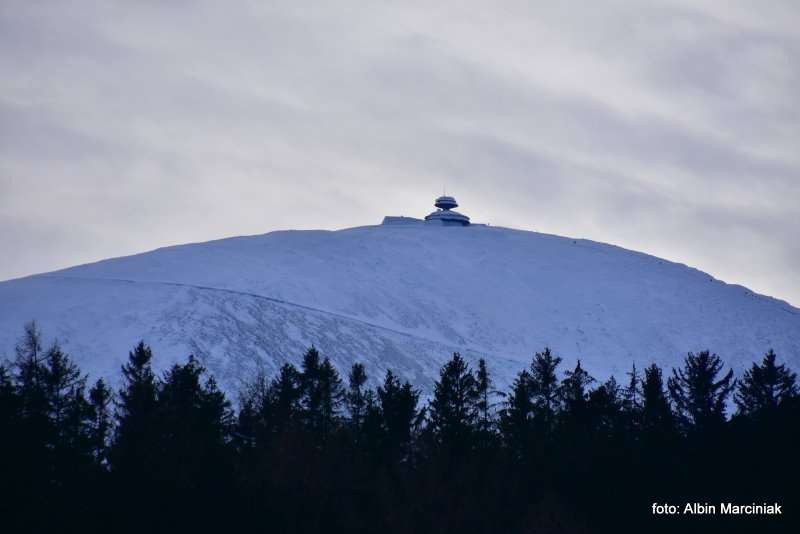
[(446, 203)]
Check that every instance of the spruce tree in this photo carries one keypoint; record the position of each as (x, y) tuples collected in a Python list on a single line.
[(75, 432), (604, 409), (135, 440), (656, 416), (354, 397), (52, 454), (486, 392), (544, 389), (30, 378), (573, 394), (65, 393), (516, 418), (65, 414), (311, 400), (373, 429), (100, 398), (698, 394), (250, 425), (763, 388), (194, 424), (631, 399), (453, 409), (331, 397), (632, 393), (34, 431), (398, 407), (283, 406)]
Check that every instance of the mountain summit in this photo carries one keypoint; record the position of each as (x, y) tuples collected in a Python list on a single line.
[(404, 295)]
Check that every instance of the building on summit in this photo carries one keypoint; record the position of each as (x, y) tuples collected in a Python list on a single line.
[(444, 215)]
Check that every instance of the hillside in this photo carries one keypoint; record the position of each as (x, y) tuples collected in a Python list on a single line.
[(402, 296)]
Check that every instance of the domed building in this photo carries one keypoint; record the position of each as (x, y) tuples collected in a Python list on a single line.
[(445, 214)]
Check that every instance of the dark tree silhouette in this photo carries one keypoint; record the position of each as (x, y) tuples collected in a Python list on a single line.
[(632, 393), (698, 395), (373, 428), (559, 457), (13, 459), (9, 402), (50, 440), (604, 409), (101, 418), (194, 422), (135, 441), (486, 394), (763, 388), (356, 397), (332, 396), (270, 408), (250, 421), (30, 379), (283, 408), (398, 406), (573, 393), (517, 417), (311, 396), (453, 409), (544, 388), (29, 466), (68, 408), (657, 418)]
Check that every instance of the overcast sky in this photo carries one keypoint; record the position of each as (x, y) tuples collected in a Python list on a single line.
[(671, 128)]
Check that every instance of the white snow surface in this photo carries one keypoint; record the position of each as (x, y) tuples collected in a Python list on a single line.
[(403, 297)]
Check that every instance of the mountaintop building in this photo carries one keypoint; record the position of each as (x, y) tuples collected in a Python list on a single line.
[(444, 215)]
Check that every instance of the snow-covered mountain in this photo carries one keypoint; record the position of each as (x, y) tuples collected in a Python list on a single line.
[(399, 296)]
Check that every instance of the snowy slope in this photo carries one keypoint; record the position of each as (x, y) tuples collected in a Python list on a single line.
[(397, 296)]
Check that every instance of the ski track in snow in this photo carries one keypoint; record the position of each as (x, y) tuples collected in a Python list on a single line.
[(268, 299)]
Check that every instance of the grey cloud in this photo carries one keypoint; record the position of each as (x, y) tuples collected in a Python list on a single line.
[(669, 127)]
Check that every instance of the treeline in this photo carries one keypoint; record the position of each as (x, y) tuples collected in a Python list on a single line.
[(308, 450)]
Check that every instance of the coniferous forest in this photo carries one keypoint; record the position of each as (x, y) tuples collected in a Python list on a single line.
[(313, 450)]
